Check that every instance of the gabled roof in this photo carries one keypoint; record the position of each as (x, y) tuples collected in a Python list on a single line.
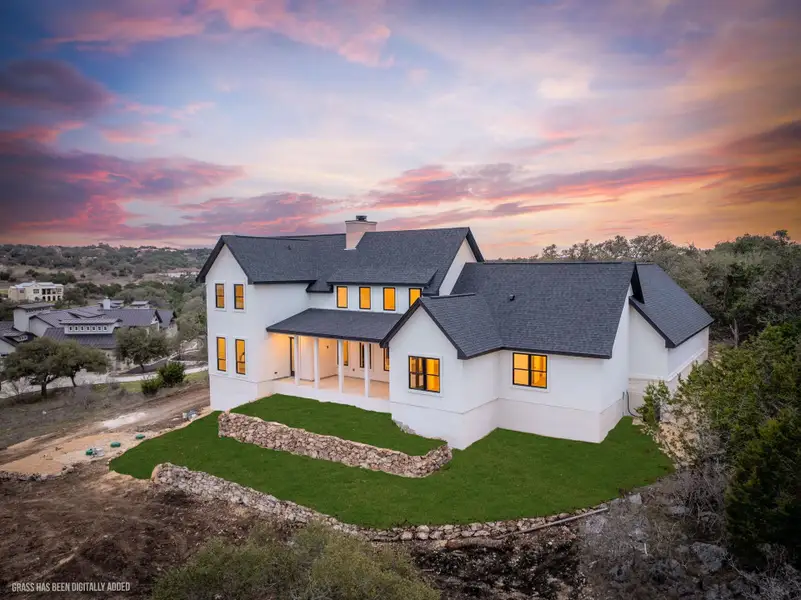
[(413, 257), (35, 306), (165, 317), (556, 308), (131, 317), (95, 340), (338, 324), (667, 307), (11, 335)]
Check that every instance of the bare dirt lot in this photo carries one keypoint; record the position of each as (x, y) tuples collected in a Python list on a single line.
[(59, 429)]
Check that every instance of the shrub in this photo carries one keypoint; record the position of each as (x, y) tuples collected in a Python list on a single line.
[(172, 374), (151, 385), (655, 399), (316, 563), (763, 501)]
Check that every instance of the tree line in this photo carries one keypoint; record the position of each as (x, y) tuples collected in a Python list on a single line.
[(745, 284)]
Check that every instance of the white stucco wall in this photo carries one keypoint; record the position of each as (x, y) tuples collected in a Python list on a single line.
[(5, 348), (582, 400), (329, 300), (651, 361), (37, 327), (265, 304), (463, 256)]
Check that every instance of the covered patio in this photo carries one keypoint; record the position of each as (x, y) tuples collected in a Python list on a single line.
[(335, 357)]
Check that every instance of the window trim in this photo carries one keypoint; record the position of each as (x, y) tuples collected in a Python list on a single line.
[(224, 359), (424, 373), (369, 297), (394, 299), (236, 357), (242, 285), (530, 371), (217, 306), (420, 294), (386, 360), (342, 287)]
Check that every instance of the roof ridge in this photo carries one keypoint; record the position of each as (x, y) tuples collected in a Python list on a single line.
[(560, 262), (440, 297)]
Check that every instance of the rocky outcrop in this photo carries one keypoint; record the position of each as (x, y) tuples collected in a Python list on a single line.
[(209, 487), (277, 436)]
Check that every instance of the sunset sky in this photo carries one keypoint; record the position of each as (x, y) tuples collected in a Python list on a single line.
[(170, 122)]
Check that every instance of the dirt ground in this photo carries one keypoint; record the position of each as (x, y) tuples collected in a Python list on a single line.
[(72, 424)]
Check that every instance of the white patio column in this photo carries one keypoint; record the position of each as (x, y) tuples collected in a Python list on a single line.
[(316, 362), (341, 364), (366, 369), (296, 349)]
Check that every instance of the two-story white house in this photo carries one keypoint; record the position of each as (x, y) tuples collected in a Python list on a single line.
[(416, 324), (36, 291)]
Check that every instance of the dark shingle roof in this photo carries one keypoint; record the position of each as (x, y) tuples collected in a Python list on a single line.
[(338, 324), (165, 316), (667, 307), (420, 257), (35, 306), (558, 308), (101, 341), (131, 317), (13, 336)]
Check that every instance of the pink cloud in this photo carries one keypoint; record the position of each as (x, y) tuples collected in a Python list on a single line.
[(142, 133)]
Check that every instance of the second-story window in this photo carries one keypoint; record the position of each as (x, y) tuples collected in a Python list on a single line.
[(342, 296), (414, 294), (364, 298), (389, 298), (239, 296), (219, 295)]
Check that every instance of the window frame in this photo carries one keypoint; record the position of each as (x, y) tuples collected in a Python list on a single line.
[(386, 360), (224, 359), (236, 308), (394, 299), (425, 374), (338, 288), (419, 294), (530, 370), (369, 298), (217, 285), (244, 361)]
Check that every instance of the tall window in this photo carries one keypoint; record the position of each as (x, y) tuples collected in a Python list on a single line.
[(342, 296), (389, 298), (221, 362), (345, 345), (239, 347), (239, 296), (414, 294), (364, 298), (530, 370), (386, 359), (424, 374), (219, 295), (365, 349)]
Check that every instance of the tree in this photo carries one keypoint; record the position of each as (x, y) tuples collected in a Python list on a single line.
[(73, 357), (763, 500), (74, 295), (37, 361), (141, 345)]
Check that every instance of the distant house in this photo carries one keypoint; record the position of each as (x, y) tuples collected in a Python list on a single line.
[(92, 326), (415, 323), (36, 291)]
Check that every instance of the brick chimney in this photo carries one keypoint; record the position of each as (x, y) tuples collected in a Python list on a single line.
[(354, 230)]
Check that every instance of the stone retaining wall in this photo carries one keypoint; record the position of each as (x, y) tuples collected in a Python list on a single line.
[(209, 487), (277, 436)]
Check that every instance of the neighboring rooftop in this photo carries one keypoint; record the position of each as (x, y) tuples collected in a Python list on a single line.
[(35, 306), (101, 341), (414, 257), (28, 284)]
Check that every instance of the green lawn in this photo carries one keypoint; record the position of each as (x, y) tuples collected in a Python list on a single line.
[(506, 475), (346, 422)]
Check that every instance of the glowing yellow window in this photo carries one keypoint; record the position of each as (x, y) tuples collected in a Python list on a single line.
[(219, 295), (424, 374), (530, 370), (240, 357), (414, 294), (345, 346), (221, 361), (364, 298), (386, 359), (342, 296), (239, 296), (389, 298)]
